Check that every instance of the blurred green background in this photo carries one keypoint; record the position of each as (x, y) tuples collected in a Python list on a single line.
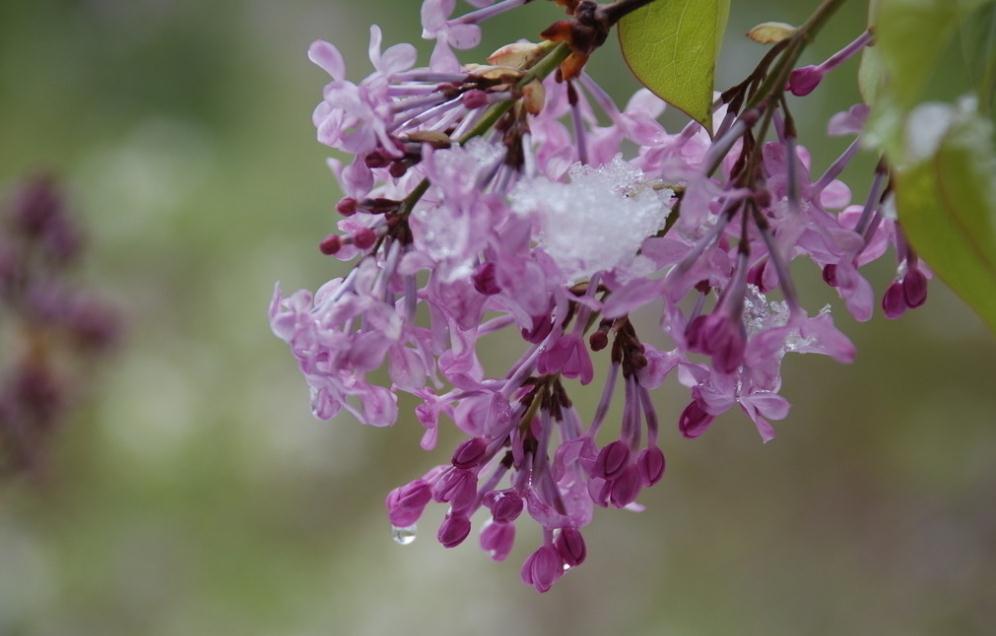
[(195, 494)]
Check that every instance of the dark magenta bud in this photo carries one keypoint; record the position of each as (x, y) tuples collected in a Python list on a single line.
[(599, 490), (453, 531), (364, 238), (398, 169), (330, 244), (542, 326), (570, 545), (894, 301), (346, 206), (497, 540), (694, 420), (598, 340), (650, 461), (830, 274), (542, 568), (485, 281), (406, 503), (914, 288), (611, 460), (720, 336), (755, 276), (470, 453), (376, 160), (804, 80), (625, 487), (457, 487), (474, 99), (505, 505)]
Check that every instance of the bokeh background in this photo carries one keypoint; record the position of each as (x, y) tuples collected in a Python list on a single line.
[(193, 493)]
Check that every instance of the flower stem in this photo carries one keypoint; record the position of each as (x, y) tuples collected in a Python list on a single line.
[(775, 82), (539, 71), (558, 53)]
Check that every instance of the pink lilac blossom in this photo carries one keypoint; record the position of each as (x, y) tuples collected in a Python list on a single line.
[(542, 226)]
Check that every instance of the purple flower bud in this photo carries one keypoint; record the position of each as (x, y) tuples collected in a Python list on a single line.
[(474, 99), (804, 80), (458, 487), (728, 341), (598, 340), (599, 490), (542, 568), (694, 420), (914, 288), (505, 505), (497, 540), (470, 453), (330, 244), (626, 487), (570, 545), (894, 301), (406, 503), (721, 336), (611, 460), (454, 530), (398, 169), (376, 159), (346, 206), (569, 357), (485, 281), (830, 274), (651, 464), (365, 238), (756, 276), (542, 325)]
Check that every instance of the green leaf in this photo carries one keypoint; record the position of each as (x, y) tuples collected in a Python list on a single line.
[(978, 45), (870, 73), (911, 36), (671, 46), (946, 198)]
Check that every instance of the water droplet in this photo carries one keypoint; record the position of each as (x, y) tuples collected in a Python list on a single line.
[(403, 536)]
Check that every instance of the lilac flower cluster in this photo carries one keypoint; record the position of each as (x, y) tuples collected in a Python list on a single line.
[(497, 198), (50, 327)]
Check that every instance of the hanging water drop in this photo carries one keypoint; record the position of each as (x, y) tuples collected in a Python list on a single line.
[(403, 536)]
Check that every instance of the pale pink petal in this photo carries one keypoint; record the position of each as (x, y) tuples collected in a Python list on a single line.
[(328, 58)]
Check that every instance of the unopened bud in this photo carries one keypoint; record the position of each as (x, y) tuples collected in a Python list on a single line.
[(330, 244)]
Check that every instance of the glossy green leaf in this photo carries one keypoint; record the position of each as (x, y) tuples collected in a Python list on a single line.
[(946, 197), (978, 45), (671, 46), (911, 36), (870, 73)]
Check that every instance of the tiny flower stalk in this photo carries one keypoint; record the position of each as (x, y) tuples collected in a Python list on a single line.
[(804, 80), (515, 199)]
